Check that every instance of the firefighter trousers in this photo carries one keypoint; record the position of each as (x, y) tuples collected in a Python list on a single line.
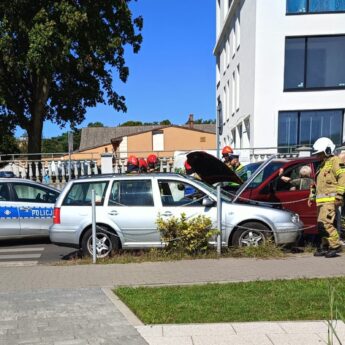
[(326, 223)]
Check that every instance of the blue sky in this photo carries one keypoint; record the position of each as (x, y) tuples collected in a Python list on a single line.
[(173, 74)]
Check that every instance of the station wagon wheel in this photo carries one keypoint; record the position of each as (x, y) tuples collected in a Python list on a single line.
[(106, 242), (251, 234)]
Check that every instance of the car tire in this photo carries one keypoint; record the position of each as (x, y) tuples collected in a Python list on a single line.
[(251, 234), (107, 242)]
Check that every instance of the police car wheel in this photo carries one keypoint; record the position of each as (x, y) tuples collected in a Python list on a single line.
[(106, 242), (251, 234)]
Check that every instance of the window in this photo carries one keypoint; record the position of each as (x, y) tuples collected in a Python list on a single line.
[(238, 30), (305, 127), (4, 192), (176, 193), (30, 193), (233, 42), (203, 139), (240, 135), (233, 94), (218, 70), (237, 80), (158, 140), (314, 63), (233, 135), (80, 193), (131, 193), (228, 100), (225, 101), (268, 171), (314, 6)]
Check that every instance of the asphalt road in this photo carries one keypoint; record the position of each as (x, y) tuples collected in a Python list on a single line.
[(32, 251)]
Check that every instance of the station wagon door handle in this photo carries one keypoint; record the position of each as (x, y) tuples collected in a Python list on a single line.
[(167, 214), (113, 213)]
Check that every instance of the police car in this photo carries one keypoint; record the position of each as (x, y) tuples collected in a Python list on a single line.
[(26, 208)]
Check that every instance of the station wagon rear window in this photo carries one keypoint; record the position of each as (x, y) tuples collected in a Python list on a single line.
[(80, 193)]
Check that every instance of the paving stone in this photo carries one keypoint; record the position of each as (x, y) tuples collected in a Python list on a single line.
[(296, 339), (198, 329), (257, 328), (65, 317), (170, 341), (231, 340)]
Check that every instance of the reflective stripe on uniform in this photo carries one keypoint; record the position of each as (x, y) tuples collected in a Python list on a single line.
[(340, 171), (324, 200)]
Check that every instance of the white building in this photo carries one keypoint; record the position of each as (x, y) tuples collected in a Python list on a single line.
[(280, 71)]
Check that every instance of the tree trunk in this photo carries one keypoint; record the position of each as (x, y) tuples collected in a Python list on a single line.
[(35, 137), (35, 126)]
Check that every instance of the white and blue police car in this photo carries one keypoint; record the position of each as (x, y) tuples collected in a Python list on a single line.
[(26, 208)]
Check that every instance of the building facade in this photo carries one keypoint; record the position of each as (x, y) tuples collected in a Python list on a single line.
[(280, 72)]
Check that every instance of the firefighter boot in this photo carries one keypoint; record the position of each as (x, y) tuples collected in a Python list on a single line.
[(333, 253)]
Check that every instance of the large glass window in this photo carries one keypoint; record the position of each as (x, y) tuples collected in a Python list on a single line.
[(296, 6), (303, 128), (287, 129), (314, 63), (294, 63), (314, 6)]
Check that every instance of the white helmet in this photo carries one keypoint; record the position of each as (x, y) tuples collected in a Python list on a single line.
[(325, 145)]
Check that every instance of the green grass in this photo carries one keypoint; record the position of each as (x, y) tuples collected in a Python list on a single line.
[(303, 299)]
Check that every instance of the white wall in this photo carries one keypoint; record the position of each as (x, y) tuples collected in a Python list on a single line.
[(243, 56), (272, 26)]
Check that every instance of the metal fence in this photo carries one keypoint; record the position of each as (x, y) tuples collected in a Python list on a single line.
[(57, 169)]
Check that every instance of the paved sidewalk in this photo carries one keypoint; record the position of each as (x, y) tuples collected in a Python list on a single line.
[(250, 333), (163, 273), (63, 317), (65, 305)]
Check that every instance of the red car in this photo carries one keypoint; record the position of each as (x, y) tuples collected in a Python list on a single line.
[(267, 187)]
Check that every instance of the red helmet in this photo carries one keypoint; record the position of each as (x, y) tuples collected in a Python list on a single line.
[(152, 159), (187, 166), (142, 163), (227, 150), (133, 160)]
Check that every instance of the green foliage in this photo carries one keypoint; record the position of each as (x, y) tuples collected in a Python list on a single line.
[(8, 143), (186, 235), (139, 123), (205, 122), (95, 124), (58, 57)]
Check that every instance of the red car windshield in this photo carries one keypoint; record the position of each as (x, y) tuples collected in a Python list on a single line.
[(267, 172)]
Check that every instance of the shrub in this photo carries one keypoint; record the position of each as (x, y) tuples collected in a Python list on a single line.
[(186, 235)]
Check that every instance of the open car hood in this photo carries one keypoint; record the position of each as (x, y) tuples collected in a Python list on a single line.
[(211, 169)]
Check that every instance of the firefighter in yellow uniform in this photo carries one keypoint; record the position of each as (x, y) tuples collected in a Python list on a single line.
[(328, 194)]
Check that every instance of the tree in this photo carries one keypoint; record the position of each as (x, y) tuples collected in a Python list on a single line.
[(57, 59), (8, 143), (95, 124), (165, 123), (205, 122), (131, 123)]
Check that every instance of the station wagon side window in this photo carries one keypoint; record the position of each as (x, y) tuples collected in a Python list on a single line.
[(131, 193), (81, 192), (4, 192), (31, 193), (177, 193)]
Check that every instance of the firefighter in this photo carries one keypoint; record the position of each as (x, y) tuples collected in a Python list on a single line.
[(226, 152), (132, 165), (152, 163), (142, 165), (235, 164), (328, 194), (190, 171)]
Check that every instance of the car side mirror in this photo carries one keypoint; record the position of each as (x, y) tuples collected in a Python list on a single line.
[(207, 202)]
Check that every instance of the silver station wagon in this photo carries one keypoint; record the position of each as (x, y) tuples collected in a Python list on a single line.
[(127, 207), (26, 208)]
